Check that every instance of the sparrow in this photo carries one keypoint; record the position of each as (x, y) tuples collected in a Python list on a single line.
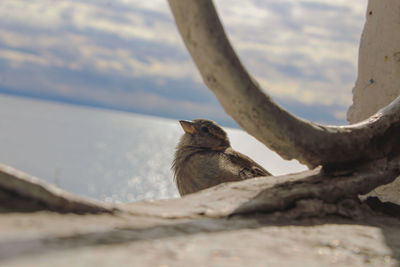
[(205, 158)]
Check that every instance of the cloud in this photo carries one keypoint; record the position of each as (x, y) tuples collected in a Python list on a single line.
[(303, 50), (73, 45), (17, 58), (298, 50)]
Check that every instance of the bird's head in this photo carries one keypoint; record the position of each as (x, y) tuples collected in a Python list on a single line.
[(204, 133)]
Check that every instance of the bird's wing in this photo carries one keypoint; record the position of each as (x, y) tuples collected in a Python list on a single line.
[(248, 167)]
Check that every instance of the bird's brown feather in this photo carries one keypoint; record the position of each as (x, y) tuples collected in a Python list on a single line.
[(204, 158)]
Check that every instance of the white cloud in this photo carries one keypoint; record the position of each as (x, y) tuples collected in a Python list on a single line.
[(18, 58), (67, 17), (123, 62), (128, 24), (301, 50), (91, 15), (242, 13), (304, 50), (159, 6)]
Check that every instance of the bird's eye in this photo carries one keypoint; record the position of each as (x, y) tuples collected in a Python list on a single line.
[(204, 129)]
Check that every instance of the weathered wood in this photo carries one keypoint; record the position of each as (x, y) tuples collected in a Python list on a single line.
[(242, 97)]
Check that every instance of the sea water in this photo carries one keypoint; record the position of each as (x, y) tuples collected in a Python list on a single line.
[(107, 155)]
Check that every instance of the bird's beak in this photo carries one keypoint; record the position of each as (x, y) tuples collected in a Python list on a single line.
[(188, 126)]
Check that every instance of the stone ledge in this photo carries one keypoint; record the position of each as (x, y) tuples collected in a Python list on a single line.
[(199, 229), (36, 194)]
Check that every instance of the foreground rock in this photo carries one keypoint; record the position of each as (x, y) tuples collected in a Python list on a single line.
[(22, 192), (51, 239), (225, 225)]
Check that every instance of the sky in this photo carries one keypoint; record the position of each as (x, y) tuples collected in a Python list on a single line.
[(127, 55)]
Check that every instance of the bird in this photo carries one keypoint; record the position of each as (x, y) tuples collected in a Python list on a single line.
[(204, 158)]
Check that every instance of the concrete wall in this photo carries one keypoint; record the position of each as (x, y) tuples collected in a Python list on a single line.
[(378, 80)]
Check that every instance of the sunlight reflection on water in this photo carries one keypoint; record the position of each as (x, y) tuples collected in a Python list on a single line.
[(107, 155)]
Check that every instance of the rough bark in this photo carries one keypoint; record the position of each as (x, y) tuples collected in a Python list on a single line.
[(243, 99)]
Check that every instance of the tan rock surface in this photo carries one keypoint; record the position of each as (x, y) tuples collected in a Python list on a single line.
[(122, 239), (200, 230), (22, 192)]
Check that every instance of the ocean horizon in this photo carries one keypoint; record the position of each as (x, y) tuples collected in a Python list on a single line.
[(108, 155)]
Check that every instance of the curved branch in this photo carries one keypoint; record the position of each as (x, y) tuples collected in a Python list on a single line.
[(243, 99)]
